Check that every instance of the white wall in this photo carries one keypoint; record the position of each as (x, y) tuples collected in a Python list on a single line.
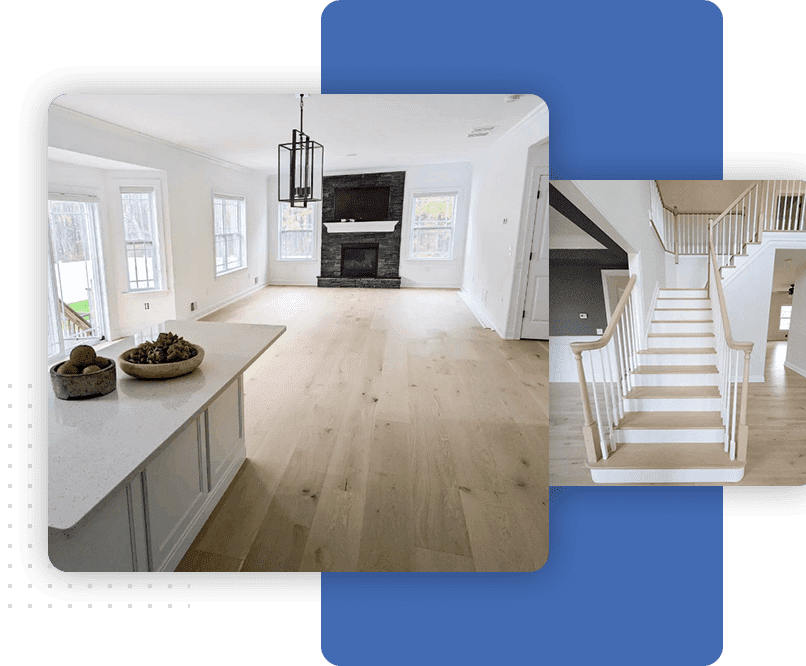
[(501, 178), (190, 180), (747, 297), (690, 273), (796, 347), (455, 177), (427, 179)]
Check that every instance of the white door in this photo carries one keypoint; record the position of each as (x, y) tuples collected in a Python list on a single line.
[(536, 305)]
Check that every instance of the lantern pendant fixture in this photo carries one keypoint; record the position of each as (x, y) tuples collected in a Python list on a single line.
[(300, 166)]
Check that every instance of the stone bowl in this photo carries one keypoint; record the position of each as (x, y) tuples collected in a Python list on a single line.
[(160, 370), (76, 387)]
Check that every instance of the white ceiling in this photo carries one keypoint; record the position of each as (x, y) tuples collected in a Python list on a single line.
[(701, 196), (383, 130), (787, 264)]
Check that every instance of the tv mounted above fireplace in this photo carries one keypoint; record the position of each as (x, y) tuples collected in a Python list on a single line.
[(362, 204)]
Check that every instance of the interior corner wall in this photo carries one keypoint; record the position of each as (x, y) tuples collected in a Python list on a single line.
[(497, 218), (689, 273), (796, 347), (191, 181), (620, 208)]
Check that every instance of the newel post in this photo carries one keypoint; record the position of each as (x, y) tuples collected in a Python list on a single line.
[(741, 447), (590, 429)]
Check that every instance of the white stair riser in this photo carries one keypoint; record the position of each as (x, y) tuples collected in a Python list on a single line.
[(705, 341), (682, 293), (682, 327), (667, 475), (677, 359), (672, 404), (670, 436), (683, 314), (676, 380), (682, 303)]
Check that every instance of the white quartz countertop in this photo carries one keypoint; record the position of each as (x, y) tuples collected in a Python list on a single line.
[(96, 445)]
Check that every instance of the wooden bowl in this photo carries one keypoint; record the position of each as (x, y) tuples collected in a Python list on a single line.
[(73, 387), (160, 370)]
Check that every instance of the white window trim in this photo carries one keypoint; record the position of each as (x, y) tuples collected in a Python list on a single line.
[(316, 224), (424, 192), (781, 318), (161, 285), (88, 195), (221, 194)]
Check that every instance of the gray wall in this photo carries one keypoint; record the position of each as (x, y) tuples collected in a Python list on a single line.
[(575, 289)]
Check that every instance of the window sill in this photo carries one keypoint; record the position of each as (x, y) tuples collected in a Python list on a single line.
[(234, 270), (146, 292), (299, 261), (429, 259)]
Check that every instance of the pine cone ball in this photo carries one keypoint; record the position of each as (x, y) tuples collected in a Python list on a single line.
[(82, 355)]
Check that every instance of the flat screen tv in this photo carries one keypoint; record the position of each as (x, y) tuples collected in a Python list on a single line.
[(362, 203)]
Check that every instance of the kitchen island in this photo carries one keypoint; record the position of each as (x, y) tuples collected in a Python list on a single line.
[(134, 474)]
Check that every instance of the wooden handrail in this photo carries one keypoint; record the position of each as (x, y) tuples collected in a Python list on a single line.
[(579, 347), (742, 346), (733, 203)]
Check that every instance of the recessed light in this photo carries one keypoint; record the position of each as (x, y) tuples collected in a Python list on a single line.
[(481, 131), (351, 154)]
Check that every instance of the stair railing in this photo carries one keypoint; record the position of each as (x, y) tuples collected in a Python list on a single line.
[(738, 225), (611, 359), (731, 356)]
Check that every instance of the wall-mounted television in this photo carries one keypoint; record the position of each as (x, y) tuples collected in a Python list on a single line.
[(362, 204)]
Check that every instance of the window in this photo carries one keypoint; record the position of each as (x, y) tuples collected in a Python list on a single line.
[(76, 294), (139, 205), (229, 215), (297, 232), (786, 317), (432, 226)]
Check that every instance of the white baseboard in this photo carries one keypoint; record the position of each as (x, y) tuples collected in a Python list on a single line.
[(476, 308), (203, 313), (794, 368), (291, 283)]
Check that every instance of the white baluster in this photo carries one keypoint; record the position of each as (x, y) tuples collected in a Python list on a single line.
[(602, 439)]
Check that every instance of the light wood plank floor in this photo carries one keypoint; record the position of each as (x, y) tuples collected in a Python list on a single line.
[(385, 431), (776, 416)]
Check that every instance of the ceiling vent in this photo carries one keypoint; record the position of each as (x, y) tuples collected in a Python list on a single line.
[(512, 98), (481, 131)]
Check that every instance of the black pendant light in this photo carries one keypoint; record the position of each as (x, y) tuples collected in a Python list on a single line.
[(299, 168)]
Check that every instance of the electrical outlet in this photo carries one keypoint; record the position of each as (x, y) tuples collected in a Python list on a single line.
[(599, 331), (505, 220), (583, 315), (146, 306)]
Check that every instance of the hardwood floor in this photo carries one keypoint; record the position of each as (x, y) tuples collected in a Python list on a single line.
[(776, 416), (385, 431)]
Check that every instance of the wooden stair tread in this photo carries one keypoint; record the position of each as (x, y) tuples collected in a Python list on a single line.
[(681, 335), (675, 370), (671, 421), (650, 392), (678, 350), (669, 456), (682, 309), (682, 321), (684, 298)]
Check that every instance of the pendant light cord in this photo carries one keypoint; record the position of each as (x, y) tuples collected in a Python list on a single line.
[(300, 114)]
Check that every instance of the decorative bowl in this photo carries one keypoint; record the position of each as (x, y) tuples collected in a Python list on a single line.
[(72, 387), (160, 370)]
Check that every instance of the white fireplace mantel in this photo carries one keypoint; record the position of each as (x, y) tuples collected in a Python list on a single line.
[(360, 227)]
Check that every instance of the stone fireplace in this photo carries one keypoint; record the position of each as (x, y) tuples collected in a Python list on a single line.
[(361, 258)]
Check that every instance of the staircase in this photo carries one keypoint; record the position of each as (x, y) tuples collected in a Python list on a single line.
[(672, 430)]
